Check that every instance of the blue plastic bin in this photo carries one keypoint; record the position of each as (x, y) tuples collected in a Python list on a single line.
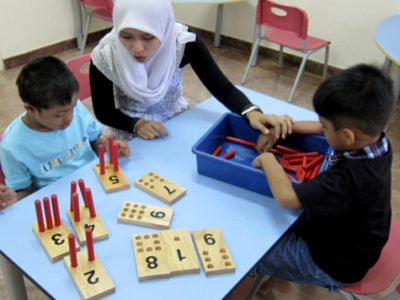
[(238, 169)]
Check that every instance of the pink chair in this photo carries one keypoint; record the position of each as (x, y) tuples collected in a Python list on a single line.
[(101, 9), (383, 273), (287, 26), (75, 65)]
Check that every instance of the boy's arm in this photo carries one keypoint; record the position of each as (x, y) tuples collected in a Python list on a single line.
[(280, 185)]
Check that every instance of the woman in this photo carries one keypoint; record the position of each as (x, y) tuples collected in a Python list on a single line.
[(136, 69)]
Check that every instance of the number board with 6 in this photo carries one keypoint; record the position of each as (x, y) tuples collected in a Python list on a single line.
[(145, 215)]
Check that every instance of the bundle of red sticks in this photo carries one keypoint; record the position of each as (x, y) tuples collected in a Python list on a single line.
[(304, 164)]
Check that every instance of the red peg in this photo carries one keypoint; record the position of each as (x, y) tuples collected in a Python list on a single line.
[(72, 250), (110, 148), (39, 216), (228, 155), (90, 202), (89, 243), (217, 150), (285, 149), (115, 158), (47, 211), (73, 190), (314, 162), (101, 159), (241, 141), (56, 211), (75, 201), (82, 188)]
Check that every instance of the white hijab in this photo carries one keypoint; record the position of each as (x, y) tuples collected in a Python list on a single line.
[(147, 82)]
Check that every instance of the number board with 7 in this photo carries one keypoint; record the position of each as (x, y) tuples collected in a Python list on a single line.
[(160, 187)]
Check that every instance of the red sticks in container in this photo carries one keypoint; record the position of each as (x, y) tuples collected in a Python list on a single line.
[(304, 164)]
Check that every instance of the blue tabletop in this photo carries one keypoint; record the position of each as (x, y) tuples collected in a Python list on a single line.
[(388, 39), (250, 222)]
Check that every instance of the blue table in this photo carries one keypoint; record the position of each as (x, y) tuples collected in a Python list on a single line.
[(388, 40), (218, 22), (250, 222)]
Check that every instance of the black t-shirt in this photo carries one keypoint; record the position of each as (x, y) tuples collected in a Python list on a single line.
[(347, 215), (197, 55)]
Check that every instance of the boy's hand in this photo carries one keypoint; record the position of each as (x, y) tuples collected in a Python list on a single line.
[(123, 147), (257, 162), (282, 124), (149, 130), (266, 141), (7, 196)]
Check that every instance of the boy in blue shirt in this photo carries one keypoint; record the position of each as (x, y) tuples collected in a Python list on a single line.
[(53, 137), (346, 209)]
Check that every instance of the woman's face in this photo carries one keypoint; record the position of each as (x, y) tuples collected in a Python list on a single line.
[(141, 45)]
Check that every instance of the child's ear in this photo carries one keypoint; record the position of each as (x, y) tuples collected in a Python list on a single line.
[(348, 136), (28, 107)]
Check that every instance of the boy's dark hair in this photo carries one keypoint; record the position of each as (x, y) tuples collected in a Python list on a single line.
[(46, 81), (360, 97)]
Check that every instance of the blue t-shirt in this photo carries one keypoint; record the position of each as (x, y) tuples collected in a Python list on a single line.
[(33, 158)]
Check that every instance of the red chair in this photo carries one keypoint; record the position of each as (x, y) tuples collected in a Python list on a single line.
[(383, 273), (82, 75), (287, 26), (101, 9)]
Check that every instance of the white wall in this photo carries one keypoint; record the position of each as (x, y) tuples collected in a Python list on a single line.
[(27, 25)]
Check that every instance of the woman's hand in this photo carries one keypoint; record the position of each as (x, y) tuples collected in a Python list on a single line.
[(149, 130), (281, 125)]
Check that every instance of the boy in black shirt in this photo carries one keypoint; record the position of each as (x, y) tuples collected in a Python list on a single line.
[(347, 213)]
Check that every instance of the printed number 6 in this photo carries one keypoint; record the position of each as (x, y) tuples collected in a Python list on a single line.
[(209, 239)]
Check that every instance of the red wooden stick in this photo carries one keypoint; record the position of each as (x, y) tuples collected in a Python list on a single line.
[(241, 141), (77, 213), (314, 162), (275, 151), (315, 170), (83, 192), (73, 190), (47, 211), (90, 202), (110, 148), (217, 150), (285, 149), (56, 211), (229, 154), (115, 158), (101, 159), (39, 216), (72, 250), (89, 243), (301, 175), (301, 154), (290, 177)]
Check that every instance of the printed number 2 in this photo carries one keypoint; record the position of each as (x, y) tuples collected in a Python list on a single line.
[(90, 278)]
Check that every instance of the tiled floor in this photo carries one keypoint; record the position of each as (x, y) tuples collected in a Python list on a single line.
[(266, 78)]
